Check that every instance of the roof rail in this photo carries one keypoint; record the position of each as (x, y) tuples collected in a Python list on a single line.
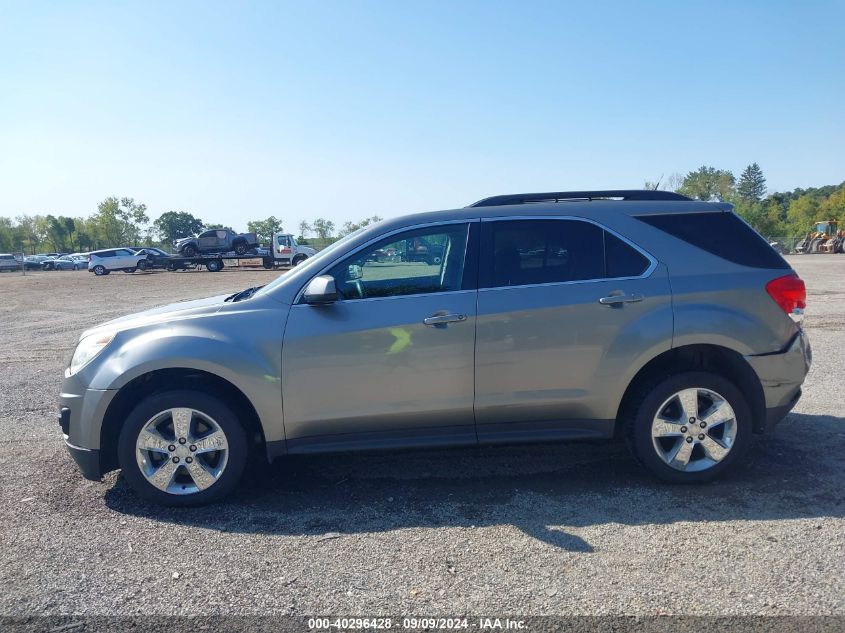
[(562, 196)]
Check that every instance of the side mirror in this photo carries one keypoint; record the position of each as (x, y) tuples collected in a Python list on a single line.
[(320, 291)]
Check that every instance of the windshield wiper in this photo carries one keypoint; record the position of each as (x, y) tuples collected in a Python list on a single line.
[(243, 294)]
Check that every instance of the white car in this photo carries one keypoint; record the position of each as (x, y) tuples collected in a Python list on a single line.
[(105, 261)]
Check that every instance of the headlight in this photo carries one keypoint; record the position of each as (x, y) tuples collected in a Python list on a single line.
[(87, 349)]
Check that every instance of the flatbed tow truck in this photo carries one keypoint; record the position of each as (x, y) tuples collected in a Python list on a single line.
[(214, 262)]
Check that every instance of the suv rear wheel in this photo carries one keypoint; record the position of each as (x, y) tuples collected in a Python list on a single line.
[(99, 270), (182, 448), (690, 427)]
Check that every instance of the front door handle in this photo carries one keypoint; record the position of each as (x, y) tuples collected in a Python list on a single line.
[(613, 300), (444, 319)]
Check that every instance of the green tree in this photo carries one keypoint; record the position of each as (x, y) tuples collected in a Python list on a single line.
[(752, 184), (7, 236), (323, 228), (119, 221), (708, 183), (264, 229), (172, 225), (351, 227), (803, 213), (304, 229), (208, 227)]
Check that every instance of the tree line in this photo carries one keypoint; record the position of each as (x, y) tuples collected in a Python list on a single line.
[(781, 214), (124, 221)]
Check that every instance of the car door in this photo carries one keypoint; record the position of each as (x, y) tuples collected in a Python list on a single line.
[(566, 310), (207, 241), (124, 258), (391, 362)]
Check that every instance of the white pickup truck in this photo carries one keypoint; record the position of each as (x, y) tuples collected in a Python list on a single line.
[(287, 252)]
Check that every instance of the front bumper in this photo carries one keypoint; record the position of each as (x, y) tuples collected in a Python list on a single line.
[(82, 411), (87, 459)]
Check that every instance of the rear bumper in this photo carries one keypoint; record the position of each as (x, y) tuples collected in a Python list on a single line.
[(781, 375), (776, 414)]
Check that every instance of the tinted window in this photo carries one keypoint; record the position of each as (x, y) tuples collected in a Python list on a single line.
[(415, 262), (722, 234), (106, 254), (208, 234), (621, 259), (123, 252), (523, 252)]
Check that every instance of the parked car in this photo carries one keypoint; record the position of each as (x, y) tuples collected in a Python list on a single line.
[(107, 260), (217, 241), (34, 262), (8, 262), (76, 261), (575, 315)]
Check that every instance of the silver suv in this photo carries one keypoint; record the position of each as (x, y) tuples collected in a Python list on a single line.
[(532, 318)]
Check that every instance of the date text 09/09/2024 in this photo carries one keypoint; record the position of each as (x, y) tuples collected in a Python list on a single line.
[(416, 623)]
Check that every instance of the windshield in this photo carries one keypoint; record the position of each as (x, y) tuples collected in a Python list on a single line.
[(312, 261)]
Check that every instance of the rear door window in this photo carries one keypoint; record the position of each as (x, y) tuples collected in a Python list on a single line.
[(526, 252)]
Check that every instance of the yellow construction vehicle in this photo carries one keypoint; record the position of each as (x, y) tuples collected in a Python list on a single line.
[(825, 238)]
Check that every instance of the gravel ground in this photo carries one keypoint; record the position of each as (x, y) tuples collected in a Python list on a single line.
[(564, 529)]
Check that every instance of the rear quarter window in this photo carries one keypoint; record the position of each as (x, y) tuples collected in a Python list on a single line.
[(722, 234)]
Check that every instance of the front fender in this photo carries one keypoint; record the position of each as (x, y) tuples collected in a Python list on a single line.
[(242, 348)]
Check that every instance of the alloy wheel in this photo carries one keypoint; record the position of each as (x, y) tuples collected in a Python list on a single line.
[(182, 451), (694, 429)]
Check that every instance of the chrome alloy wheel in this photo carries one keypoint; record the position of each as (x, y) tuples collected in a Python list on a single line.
[(694, 429), (182, 451)]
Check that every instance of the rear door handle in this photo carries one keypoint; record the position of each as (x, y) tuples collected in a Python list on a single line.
[(613, 300), (443, 319)]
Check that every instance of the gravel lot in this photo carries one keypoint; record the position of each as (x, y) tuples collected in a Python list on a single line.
[(565, 529)]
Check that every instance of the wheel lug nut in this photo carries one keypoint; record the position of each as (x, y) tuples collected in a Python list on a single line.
[(171, 448), (175, 460), (182, 440), (692, 420), (703, 424), (193, 447), (701, 436), (189, 460), (689, 439), (683, 429)]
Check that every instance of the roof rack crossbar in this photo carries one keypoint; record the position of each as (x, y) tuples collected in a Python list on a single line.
[(562, 196)]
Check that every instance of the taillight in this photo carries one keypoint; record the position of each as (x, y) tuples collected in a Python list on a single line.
[(790, 294)]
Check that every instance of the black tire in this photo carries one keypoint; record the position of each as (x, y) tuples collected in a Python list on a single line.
[(299, 259), (142, 265), (189, 250), (198, 401), (240, 247), (268, 263), (100, 270), (214, 265), (130, 270), (644, 405)]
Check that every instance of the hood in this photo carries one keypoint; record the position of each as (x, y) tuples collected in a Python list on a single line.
[(182, 240), (163, 314)]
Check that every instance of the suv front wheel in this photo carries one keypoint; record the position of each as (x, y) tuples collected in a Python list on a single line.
[(690, 427), (182, 448)]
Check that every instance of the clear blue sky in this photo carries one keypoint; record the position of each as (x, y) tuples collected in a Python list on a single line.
[(239, 110)]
